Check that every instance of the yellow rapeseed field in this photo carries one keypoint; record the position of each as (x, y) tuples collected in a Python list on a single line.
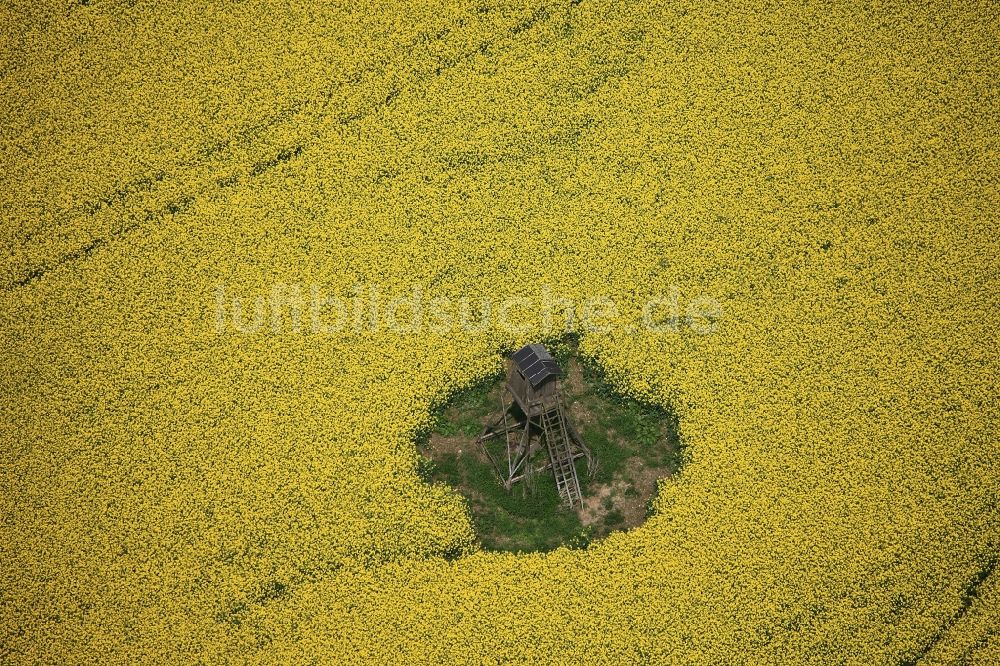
[(179, 484)]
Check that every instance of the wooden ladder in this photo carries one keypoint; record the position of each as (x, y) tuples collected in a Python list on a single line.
[(561, 456)]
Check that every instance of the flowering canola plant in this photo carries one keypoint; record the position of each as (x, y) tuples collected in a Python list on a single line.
[(173, 489)]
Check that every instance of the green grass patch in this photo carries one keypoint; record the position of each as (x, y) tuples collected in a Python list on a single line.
[(626, 437)]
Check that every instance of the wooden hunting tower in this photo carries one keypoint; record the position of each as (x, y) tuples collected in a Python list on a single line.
[(531, 404)]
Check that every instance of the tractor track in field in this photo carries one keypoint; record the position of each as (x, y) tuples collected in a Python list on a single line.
[(207, 155), (969, 594)]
